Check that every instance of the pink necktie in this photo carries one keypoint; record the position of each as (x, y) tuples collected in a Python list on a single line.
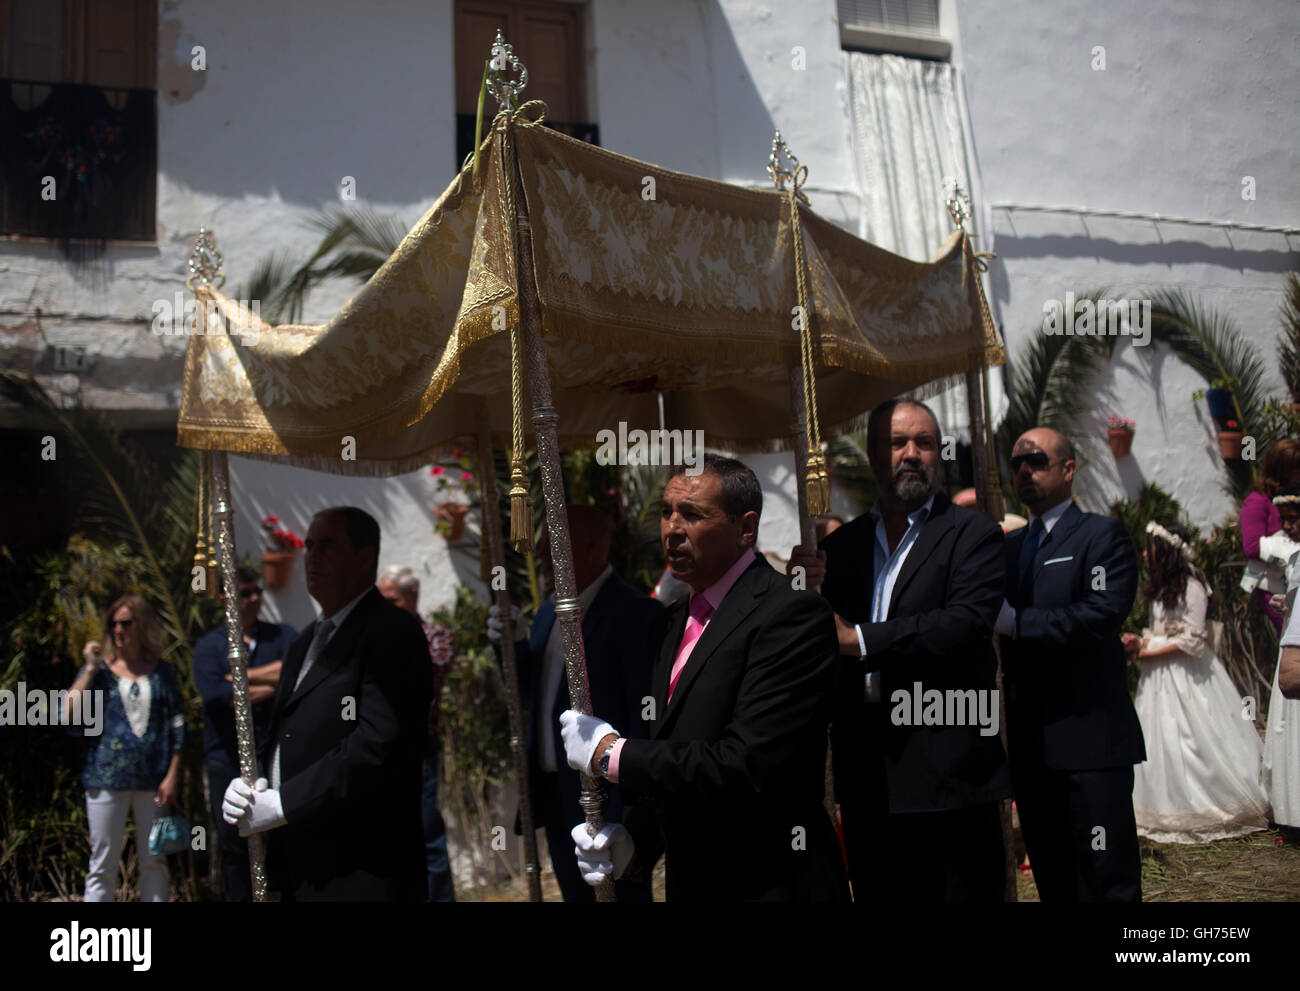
[(700, 613)]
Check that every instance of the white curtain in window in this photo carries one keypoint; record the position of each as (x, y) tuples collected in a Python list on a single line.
[(910, 131)]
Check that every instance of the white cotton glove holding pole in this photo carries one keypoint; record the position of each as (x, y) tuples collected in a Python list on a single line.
[(496, 627), (581, 735), (253, 810), (605, 855)]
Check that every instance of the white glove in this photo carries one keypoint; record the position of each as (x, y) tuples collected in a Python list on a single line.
[(581, 734), (496, 628), (604, 855), (253, 810)]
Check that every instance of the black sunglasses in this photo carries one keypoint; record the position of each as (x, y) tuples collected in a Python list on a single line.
[(124, 623), (248, 593), (1035, 460)]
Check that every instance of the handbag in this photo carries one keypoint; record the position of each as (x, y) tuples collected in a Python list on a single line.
[(169, 834)]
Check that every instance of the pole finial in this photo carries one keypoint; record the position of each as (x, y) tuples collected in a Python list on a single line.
[(957, 200), (794, 173), (205, 262), (503, 90)]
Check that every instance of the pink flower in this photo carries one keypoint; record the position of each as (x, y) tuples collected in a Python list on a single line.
[(436, 470), (466, 476)]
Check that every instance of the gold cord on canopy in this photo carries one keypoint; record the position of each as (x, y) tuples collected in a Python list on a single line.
[(817, 484)]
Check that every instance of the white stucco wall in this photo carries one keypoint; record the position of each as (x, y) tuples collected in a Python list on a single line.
[(1193, 98)]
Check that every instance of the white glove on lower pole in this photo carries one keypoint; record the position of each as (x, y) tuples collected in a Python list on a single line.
[(253, 810), (604, 855), (496, 628), (581, 734)]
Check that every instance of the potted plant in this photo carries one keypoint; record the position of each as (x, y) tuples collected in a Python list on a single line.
[(450, 513), (1219, 397), (1120, 432), (1230, 440), (281, 546)]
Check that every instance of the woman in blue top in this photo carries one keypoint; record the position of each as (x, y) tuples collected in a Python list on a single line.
[(135, 762)]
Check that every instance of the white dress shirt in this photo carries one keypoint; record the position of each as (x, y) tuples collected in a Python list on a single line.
[(1006, 623), (888, 566), (553, 674), (337, 619)]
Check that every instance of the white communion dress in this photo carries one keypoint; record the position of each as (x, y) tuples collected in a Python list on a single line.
[(1201, 779), (1282, 742)]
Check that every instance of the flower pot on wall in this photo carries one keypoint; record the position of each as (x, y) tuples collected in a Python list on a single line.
[(1220, 403), (277, 568), (451, 520), (1230, 444), (1121, 441)]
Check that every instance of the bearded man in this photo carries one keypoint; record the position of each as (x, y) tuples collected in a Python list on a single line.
[(916, 585)]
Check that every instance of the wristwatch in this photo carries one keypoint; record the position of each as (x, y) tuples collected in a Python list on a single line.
[(602, 765)]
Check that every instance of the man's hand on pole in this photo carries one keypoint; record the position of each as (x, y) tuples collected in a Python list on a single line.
[(605, 855)]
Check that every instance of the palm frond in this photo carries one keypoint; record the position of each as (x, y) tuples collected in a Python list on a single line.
[(1209, 343), (1288, 348), (121, 498)]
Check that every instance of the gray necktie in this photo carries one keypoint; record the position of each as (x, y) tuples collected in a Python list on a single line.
[(318, 640)]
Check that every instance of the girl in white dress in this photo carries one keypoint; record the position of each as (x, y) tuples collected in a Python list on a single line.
[(1282, 737), (1201, 779)]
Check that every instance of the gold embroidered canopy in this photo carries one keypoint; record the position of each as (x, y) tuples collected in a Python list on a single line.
[(648, 281)]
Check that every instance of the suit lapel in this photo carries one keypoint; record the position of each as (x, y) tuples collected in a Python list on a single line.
[(740, 601), (337, 650), (289, 673), (1055, 539), (933, 528)]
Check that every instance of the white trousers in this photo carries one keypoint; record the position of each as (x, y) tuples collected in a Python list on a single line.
[(107, 812)]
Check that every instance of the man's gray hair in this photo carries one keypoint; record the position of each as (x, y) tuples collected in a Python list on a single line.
[(404, 578)]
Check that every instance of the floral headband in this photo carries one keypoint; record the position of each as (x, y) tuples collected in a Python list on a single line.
[(1285, 500), (1172, 539)]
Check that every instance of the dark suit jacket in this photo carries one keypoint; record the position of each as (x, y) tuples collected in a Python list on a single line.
[(616, 644), (939, 632), (729, 785), (1068, 703), (350, 787)]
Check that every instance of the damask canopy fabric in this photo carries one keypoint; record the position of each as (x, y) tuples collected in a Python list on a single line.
[(679, 285)]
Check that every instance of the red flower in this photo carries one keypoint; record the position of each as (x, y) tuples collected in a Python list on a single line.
[(270, 520), (466, 476), (437, 470), (1231, 424), (455, 454)]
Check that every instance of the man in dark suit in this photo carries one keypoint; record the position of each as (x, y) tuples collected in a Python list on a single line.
[(347, 735), (616, 621), (919, 766), (729, 785), (1074, 736)]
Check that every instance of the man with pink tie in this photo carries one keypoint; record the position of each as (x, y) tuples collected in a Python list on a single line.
[(737, 721)]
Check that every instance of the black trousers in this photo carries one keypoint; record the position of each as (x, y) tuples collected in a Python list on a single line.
[(234, 848), (1080, 832), (953, 855)]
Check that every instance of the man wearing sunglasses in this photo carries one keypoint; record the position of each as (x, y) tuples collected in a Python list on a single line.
[(266, 645), (1072, 732)]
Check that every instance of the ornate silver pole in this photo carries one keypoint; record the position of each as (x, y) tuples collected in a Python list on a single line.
[(223, 517), (496, 551), (781, 175), (568, 612), (988, 490), (567, 609), (205, 270)]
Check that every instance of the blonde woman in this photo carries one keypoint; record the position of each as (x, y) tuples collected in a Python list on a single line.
[(134, 763)]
